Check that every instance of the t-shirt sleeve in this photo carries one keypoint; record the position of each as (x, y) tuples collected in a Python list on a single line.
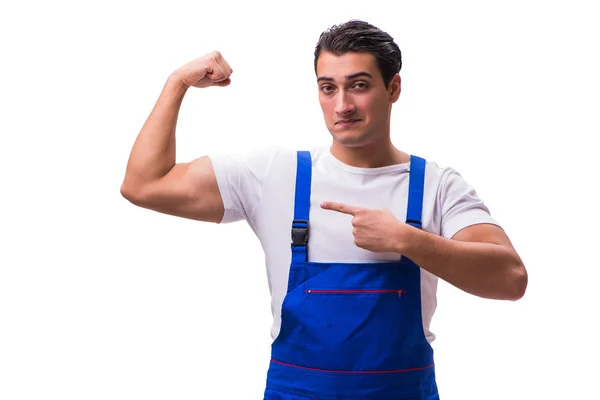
[(460, 205), (241, 178)]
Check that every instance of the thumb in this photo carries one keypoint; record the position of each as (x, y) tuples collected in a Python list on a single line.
[(225, 82)]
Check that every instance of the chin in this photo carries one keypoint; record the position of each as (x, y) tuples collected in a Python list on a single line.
[(349, 138)]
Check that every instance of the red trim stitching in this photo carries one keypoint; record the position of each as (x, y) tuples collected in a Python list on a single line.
[(399, 291), (352, 372)]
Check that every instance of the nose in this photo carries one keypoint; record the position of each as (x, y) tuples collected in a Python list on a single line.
[(343, 104)]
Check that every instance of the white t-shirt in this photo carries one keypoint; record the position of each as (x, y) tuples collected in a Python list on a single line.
[(259, 187)]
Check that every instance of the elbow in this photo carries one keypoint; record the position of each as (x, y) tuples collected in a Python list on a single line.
[(518, 282), (131, 193), (126, 191)]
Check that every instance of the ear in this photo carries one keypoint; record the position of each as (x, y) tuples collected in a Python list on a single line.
[(395, 88)]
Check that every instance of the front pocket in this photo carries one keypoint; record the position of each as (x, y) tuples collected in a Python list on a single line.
[(353, 317), (358, 329)]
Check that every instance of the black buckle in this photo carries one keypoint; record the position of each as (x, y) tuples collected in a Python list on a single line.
[(299, 234), (416, 224)]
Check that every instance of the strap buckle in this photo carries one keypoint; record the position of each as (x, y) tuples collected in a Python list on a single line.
[(299, 232)]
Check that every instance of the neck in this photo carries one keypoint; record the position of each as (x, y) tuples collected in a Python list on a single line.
[(372, 155)]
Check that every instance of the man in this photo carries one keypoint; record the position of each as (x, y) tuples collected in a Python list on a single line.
[(372, 227)]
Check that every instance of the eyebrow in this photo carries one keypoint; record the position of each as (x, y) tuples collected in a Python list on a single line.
[(348, 77)]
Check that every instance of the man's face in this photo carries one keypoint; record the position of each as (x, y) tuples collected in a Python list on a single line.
[(355, 103)]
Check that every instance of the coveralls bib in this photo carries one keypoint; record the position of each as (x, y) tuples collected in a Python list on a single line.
[(351, 330)]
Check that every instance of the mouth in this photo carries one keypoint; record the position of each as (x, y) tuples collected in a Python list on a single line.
[(347, 122)]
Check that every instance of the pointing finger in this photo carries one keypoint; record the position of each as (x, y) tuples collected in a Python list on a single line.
[(341, 207)]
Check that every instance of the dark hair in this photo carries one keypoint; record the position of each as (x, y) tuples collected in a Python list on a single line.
[(360, 36)]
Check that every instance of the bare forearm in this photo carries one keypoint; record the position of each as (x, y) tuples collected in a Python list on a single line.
[(153, 153), (482, 269)]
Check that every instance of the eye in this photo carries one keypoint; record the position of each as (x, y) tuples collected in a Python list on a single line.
[(327, 89), (360, 85)]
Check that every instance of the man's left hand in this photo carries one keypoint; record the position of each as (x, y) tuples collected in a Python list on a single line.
[(374, 229)]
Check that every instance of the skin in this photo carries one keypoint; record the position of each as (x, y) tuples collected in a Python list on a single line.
[(153, 179), (345, 92), (479, 259)]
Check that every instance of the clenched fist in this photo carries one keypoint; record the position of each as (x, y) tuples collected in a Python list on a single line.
[(208, 70)]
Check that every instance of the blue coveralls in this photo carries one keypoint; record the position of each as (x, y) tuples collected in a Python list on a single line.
[(351, 330)]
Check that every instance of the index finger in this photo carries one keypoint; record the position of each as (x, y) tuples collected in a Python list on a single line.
[(341, 207)]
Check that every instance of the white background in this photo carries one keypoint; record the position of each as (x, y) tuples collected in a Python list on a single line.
[(100, 299)]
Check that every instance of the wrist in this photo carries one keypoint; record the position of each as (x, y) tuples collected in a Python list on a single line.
[(176, 81), (402, 237)]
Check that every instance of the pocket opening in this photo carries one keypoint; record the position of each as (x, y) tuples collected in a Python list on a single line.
[(399, 292)]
